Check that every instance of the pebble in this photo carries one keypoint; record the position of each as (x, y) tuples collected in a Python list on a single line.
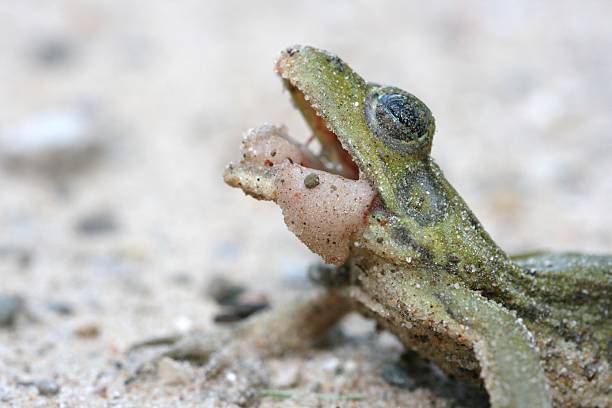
[(183, 324), (101, 222), (61, 308), (88, 331), (52, 142), (243, 306), (181, 278), (237, 303), (397, 376), (311, 181), (47, 388), (22, 256), (224, 291), (10, 307), (53, 51), (5, 394), (172, 372), (330, 364), (284, 375), (239, 312), (213, 402)]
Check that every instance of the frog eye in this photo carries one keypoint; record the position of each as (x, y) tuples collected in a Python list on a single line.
[(400, 119)]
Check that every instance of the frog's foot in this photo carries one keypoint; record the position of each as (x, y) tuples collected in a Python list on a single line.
[(322, 208), (212, 350), (292, 326)]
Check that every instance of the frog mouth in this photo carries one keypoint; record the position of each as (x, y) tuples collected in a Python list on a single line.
[(297, 80), (333, 157), (324, 201)]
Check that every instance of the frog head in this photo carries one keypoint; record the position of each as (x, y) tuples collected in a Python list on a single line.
[(383, 130), (384, 135), (399, 206)]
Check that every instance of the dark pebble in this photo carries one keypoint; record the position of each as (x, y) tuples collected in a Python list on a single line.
[(311, 181), (329, 276), (10, 306), (47, 388), (61, 308), (53, 51), (181, 279), (88, 331), (395, 375), (239, 312), (22, 256), (97, 223), (224, 291)]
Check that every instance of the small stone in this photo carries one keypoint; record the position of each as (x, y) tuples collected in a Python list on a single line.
[(212, 402), (54, 142), (183, 324), (5, 395), (102, 222), (47, 388), (331, 364), (102, 392), (10, 306), (181, 278), (395, 375), (61, 308), (172, 372), (53, 51), (231, 376), (88, 331), (350, 366), (284, 375), (22, 256), (311, 181), (224, 291), (243, 306), (239, 312)]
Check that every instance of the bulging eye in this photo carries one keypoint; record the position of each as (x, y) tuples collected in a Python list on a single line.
[(409, 111), (400, 119)]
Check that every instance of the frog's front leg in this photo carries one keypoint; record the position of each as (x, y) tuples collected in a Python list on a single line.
[(323, 209), (290, 326), (462, 331), (509, 361)]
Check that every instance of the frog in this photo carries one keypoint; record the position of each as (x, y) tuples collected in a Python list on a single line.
[(402, 247)]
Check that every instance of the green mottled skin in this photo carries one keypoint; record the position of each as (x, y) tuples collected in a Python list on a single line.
[(536, 329)]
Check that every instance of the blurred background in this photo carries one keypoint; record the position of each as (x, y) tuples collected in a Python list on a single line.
[(118, 117)]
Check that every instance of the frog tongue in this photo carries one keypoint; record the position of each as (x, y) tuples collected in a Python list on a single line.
[(324, 210)]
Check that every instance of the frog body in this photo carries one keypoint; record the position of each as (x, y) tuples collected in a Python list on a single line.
[(535, 329)]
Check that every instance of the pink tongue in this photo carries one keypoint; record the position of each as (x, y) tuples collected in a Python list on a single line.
[(268, 145), (324, 210)]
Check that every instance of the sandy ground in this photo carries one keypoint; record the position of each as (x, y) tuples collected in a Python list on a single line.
[(120, 245)]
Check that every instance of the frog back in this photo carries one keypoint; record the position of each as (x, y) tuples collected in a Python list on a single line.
[(572, 323), (573, 291)]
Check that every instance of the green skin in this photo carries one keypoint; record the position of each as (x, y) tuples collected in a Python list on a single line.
[(535, 329)]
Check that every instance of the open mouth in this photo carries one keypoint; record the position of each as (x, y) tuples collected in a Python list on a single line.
[(333, 157), (330, 96), (324, 201)]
